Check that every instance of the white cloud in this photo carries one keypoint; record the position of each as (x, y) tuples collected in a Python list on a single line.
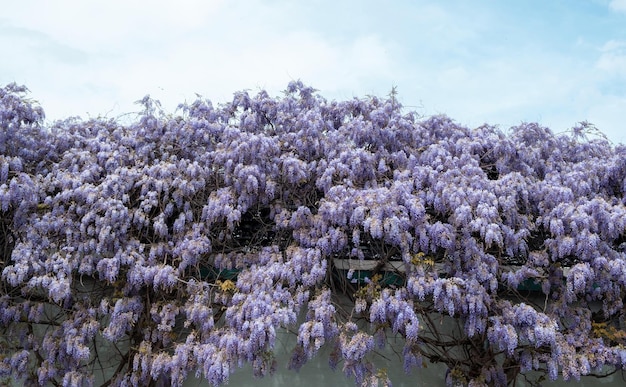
[(506, 91), (110, 24), (607, 114), (612, 63), (613, 45), (612, 60), (219, 50), (216, 71), (618, 5)]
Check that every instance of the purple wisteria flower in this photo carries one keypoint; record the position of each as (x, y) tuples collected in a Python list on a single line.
[(188, 242)]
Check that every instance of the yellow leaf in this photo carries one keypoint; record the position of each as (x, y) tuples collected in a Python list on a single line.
[(227, 286)]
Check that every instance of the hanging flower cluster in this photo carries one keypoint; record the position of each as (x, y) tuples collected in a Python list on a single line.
[(185, 242)]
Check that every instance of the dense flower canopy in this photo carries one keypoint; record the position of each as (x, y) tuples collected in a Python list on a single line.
[(185, 242)]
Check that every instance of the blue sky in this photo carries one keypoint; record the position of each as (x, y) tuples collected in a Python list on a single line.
[(555, 62)]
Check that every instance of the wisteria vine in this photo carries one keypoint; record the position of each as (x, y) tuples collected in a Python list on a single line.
[(184, 242)]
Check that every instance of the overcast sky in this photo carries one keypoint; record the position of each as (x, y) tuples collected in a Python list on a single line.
[(555, 62)]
